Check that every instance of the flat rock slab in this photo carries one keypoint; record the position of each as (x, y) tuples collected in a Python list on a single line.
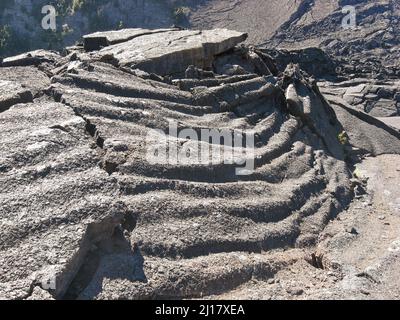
[(391, 121), (98, 40), (54, 199), (385, 108), (28, 77), (11, 93), (30, 58), (377, 98), (173, 51)]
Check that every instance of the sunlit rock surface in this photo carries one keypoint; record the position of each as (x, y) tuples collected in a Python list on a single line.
[(86, 213)]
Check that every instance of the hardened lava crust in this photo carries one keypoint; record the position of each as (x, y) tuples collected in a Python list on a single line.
[(84, 212)]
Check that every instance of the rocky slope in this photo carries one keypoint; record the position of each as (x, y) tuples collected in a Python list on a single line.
[(361, 63), (372, 47), (88, 212)]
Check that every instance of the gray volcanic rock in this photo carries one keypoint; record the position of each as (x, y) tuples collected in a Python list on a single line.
[(173, 51), (92, 208), (181, 210), (314, 61), (310, 33), (12, 93), (394, 122), (260, 19), (30, 78), (30, 58), (55, 200), (97, 40), (364, 131), (369, 49), (378, 98)]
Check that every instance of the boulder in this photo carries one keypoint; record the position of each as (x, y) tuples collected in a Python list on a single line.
[(31, 58), (173, 51)]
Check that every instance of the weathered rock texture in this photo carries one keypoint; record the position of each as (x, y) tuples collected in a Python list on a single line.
[(377, 98), (310, 32), (83, 209), (12, 93), (98, 40), (172, 52), (371, 48)]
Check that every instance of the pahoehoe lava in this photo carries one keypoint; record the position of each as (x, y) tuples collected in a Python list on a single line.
[(82, 207)]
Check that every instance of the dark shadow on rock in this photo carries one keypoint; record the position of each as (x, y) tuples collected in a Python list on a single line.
[(111, 259)]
